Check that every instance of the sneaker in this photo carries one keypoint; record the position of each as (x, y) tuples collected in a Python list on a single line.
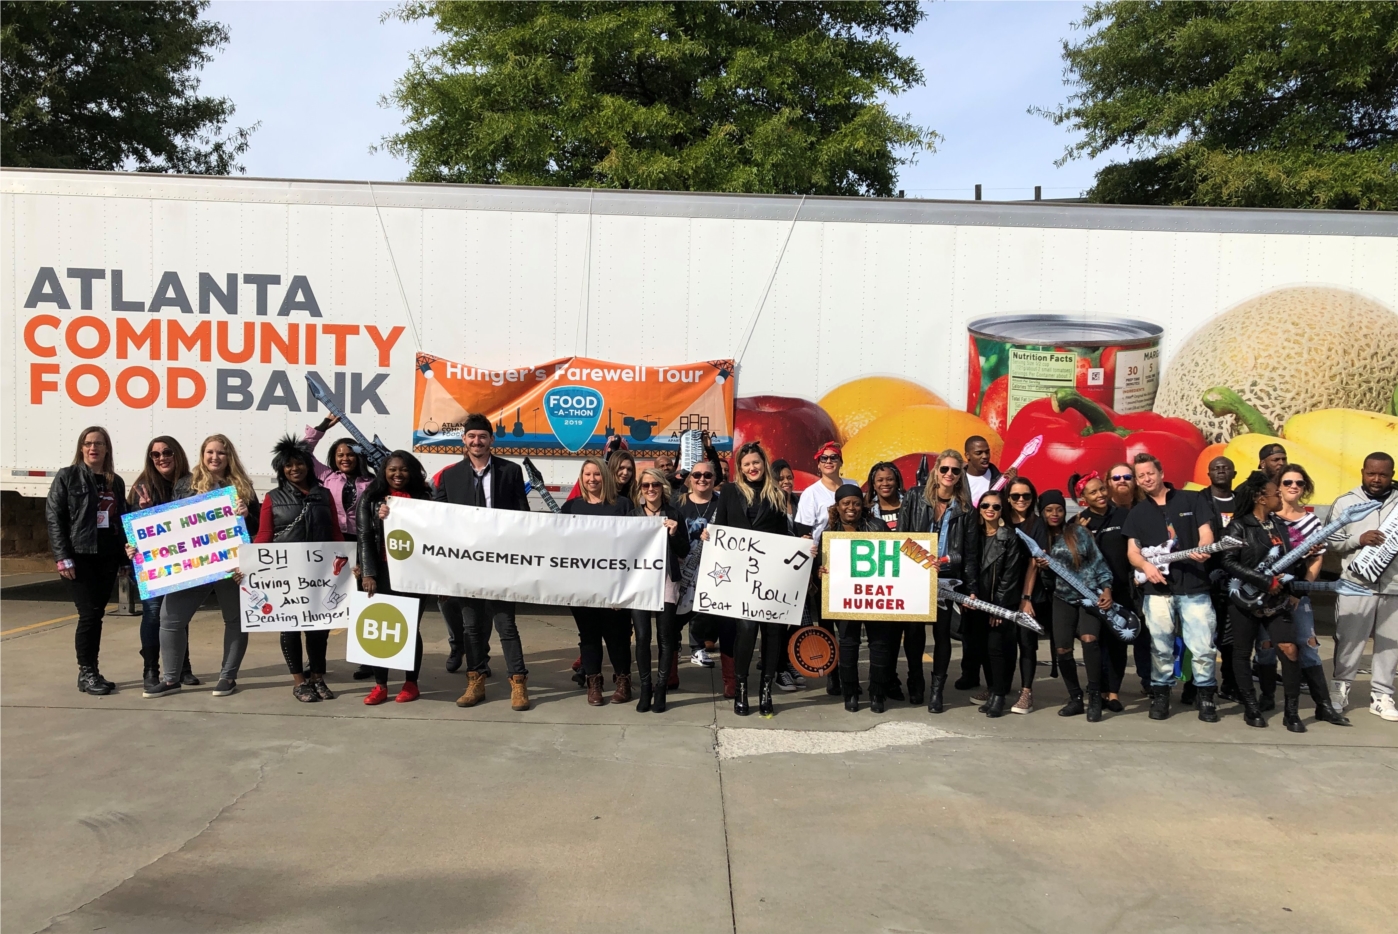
[(162, 688), (225, 687), (980, 697), (408, 694), (796, 677), (377, 696), (305, 692), (322, 689), (1339, 694), (1025, 704), (702, 658), (785, 682), (1382, 706)]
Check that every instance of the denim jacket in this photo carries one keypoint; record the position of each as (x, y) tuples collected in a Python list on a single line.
[(1091, 567)]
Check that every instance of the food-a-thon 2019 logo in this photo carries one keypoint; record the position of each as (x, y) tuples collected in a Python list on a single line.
[(573, 413), (182, 347)]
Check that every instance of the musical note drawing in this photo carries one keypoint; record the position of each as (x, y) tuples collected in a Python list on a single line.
[(802, 555)]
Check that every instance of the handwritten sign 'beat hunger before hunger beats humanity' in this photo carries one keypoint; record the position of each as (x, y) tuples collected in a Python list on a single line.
[(185, 543), (757, 576), (879, 576)]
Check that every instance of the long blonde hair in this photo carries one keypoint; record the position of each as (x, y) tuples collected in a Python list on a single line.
[(608, 481), (201, 481), (961, 492), (771, 492), (656, 475)]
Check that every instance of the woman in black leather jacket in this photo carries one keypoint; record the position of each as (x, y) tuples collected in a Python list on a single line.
[(1254, 523), (1004, 560), (85, 504), (653, 499), (402, 476), (942, 505)]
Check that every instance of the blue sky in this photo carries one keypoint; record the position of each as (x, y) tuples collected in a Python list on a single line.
[(313, 73)]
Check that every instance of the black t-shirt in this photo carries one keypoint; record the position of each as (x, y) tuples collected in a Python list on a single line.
[(697, 516), (1183, 514), (581, 507), (1106, 529)]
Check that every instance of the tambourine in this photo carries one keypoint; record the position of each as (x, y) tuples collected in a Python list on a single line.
[(814, 651)]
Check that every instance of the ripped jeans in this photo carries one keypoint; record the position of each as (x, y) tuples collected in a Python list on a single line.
[(1303, 618)]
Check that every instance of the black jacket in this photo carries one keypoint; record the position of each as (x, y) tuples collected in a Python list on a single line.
[(457, 484), (677, 544), (964, 535), (373, 555), (733, 512), (71, 511), (1004, 561), (1258, 539), (303, 517)]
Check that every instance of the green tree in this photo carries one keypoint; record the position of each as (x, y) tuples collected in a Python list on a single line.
[(1238, 104), (709, 96), (111, 85)]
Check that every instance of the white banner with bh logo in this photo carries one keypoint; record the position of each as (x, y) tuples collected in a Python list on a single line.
[(529, 557), (382, 631)]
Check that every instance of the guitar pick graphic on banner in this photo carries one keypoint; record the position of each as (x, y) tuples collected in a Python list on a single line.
[(573, 413)]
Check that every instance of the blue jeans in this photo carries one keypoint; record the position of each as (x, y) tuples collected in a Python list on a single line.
[(1191, 616), (1303, 617)]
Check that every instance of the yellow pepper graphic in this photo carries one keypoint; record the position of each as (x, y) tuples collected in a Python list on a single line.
[(1330, 443)]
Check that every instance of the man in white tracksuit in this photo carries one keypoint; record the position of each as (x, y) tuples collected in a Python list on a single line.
[(1358, 618)]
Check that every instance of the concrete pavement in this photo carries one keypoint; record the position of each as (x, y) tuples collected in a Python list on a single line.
[(257, 813)]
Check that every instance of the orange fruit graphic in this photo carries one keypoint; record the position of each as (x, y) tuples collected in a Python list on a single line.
[(916, 428), (859, 402)]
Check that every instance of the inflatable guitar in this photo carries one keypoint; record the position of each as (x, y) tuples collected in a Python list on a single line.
[(1258, 602), (945, 593), (1028, 451), (375, 452), (1126, 623), (1162, 556), (536, 482)]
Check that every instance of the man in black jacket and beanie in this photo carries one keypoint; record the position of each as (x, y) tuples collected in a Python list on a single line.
[(482, 479)]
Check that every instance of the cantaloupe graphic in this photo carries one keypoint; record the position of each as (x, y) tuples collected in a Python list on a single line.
[(1286, 352)]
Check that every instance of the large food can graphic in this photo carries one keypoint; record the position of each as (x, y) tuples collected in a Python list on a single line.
[(1017, 358)]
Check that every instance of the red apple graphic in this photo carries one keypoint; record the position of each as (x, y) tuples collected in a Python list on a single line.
[(789, 429)]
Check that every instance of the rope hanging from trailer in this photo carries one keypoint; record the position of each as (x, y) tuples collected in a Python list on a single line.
[(762, 299), (393, 264)]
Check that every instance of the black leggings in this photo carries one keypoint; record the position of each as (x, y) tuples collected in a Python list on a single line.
[(1245, 627), (773, 637), (941, 642), (1073, 620), (381, 674), (668, 636), (883, 655), (597, 625), (913, 638), (94, 576), (975, 630), (1029, 644), (1002, 642), (317, 641)]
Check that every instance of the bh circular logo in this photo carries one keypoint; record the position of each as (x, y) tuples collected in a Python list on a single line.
[(399, 544), (381, 630)]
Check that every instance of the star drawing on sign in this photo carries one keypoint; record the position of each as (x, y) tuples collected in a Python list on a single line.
[(720, 574)]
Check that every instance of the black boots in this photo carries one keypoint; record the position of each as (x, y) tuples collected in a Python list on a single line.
[(657, 703), (935, 703), (150, 677), (1252, 715), (1320, 692), (892, 691), (90, 682), (851, 699), (1291, 713), (878, 698), (1160, 702), (1266, 686), (966, 682), (150, 667), (187, 673), (917, 688), (740, 698), (1074, 706), (995, 707), (647, 692), (764, 696), (832, 683), (1208, 711), (1188, 693), (1094, 705)]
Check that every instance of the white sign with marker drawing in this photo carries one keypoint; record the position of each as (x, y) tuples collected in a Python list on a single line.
[(305, 585), (756, 576)]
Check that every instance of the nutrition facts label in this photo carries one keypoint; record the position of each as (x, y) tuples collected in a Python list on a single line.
[(1137, 378), (1036, 373)]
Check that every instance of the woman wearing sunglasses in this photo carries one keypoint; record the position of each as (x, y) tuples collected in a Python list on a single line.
[(1003, 562), (697, 508), (653, 499), (813, 512), (943, 506), (164, 466), (754, 502), (1035, 599)]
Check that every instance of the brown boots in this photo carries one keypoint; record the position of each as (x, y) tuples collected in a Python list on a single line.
[(475, 690), (519, 692), (594, 690), (623, 688)]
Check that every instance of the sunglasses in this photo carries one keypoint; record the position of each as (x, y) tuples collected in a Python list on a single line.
[(1122, 476), (1296, 483), (993, 507), (651, 486), (701, 476), (1021, 496), (162, 455), (828, 458), (954, 471)]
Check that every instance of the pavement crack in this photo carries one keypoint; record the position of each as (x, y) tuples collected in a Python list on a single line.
[(262, 771)]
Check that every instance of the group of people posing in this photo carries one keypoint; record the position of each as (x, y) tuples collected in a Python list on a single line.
[(981, 520)]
